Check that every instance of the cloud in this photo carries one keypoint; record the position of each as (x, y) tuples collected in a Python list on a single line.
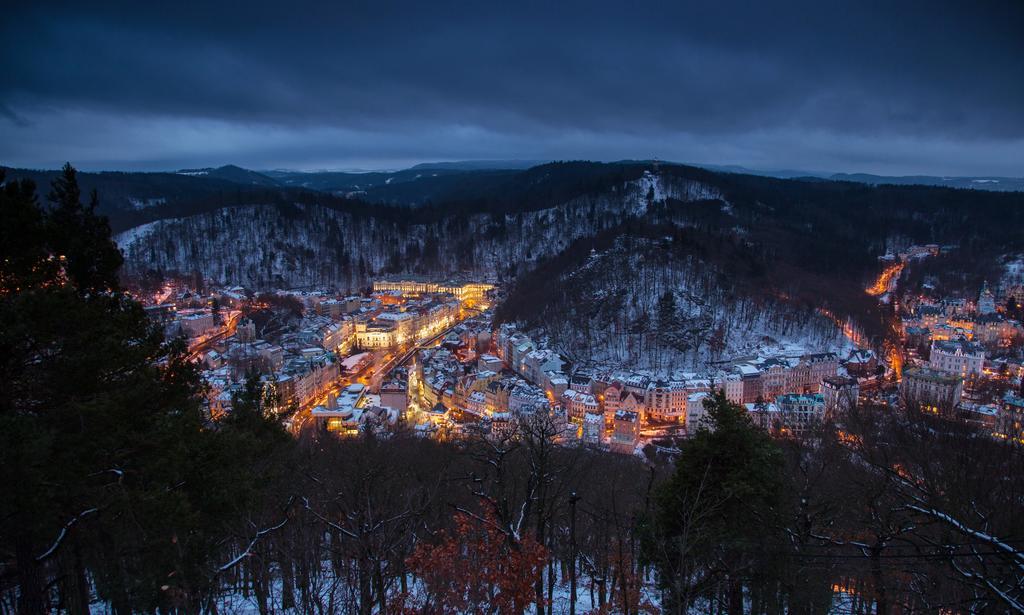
[(860, 86)]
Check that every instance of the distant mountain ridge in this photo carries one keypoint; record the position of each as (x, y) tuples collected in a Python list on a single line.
[(984, 182), (232, 173), (998, 184), (479, 165), (133, 198)]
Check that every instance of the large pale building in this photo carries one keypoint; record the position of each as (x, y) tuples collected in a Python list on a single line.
[(930, 388), (960, 357), (470, 292), (376, 335), (666, 401), (695, 411), (798, 413)]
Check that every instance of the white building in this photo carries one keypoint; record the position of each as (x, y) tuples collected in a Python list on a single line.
[(934, 389), (593, 428), (666, 401), (695, 412), (195, 325), (799, 413), (958, 356), (733, 385)]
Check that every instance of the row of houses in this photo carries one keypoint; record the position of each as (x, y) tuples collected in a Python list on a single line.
[(467, 292), (954, 318), (533, 362), (767, 378)]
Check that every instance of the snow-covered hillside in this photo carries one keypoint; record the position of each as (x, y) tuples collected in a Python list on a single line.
[(651, 304), (301, 245)]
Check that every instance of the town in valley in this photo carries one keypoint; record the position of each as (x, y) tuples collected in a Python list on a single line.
[(424, 355)]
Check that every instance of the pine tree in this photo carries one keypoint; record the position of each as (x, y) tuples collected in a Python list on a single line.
[(80, 238), (108, 468), (712, 516)]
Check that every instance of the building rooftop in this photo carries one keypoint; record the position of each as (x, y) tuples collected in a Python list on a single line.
[(957, 346), (838, 381), (931, 375), (800, 399)]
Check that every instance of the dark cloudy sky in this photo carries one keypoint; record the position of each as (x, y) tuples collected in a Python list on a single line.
[(933, 87)]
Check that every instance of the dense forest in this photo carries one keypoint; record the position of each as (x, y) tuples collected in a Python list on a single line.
[(121, 496)]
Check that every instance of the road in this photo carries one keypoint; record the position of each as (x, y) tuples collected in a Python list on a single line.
[(372, 375), (301, 417), (401, 357), (227, 330)]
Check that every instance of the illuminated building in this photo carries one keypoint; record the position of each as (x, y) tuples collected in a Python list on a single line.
[(593, 428), (862, 362), (470, 292), (958, 356), (1010, 421), (394, 395), (666, 401), (578, 404), (375, 335), (625, 432)]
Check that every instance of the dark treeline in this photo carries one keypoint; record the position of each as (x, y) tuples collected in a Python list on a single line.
[(120, 495), (836, 211), (131, 199)]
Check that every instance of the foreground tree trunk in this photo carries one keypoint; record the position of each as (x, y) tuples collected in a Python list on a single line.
[(31, 600)]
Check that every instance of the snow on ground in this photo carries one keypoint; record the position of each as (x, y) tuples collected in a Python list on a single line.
[(126, 239), (237, 603), (1013, 271), (660, 189), (144, 203)]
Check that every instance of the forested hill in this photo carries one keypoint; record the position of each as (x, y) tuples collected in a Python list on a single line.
[(798, 245), (498, 222), (316, 239)]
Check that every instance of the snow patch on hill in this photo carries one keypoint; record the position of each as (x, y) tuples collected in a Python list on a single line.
[(146, 203), (613, 300), (125, 240)]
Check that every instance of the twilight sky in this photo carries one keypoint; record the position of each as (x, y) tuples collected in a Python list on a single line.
[(926, 87)]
